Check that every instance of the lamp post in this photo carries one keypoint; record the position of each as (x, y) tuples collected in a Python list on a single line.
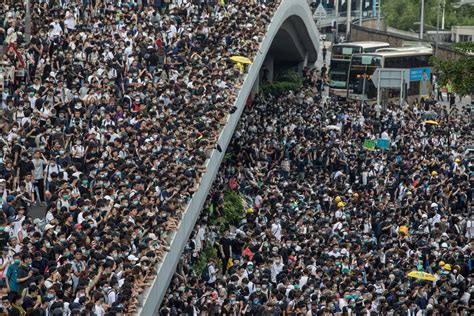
[(360, 12), (349, 18), (336, 4), (442, 19), (27, 22), (437, 29), (379, 26), (422, 21)]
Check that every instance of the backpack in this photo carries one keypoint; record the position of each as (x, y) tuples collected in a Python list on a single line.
[(205, 274)]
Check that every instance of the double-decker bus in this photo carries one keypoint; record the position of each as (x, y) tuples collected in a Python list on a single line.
[(340, 59), (361, 87)]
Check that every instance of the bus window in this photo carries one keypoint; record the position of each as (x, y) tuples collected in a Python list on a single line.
[(344, 52), (393, 62), (339, 65), (338, 79), (423, 61), (413, 88)]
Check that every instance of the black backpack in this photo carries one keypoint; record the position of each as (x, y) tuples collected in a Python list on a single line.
[(205, 274)]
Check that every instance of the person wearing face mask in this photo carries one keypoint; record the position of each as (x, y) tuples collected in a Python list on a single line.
[(78, 265), (17, 274), (52, 167), (78, 153), (64, 200), (277, 267), (257, 298), (40, 263)]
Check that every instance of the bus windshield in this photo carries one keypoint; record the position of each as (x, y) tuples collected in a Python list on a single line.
[(338, 73), (362, 67)]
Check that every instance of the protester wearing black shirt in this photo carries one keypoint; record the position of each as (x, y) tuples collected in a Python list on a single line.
[(25, 166), (225, 245), (39, 263)]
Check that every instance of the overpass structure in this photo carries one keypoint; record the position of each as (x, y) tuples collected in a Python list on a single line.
[(291, 38)]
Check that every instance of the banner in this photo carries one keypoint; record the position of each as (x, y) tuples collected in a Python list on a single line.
[(369, 144), (420, 74), (383, 143)]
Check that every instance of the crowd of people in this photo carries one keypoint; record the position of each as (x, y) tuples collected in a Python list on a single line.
[(331, 226), (107, 116)]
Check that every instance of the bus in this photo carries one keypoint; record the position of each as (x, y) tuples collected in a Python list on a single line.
[(361, 87), (340, 60)]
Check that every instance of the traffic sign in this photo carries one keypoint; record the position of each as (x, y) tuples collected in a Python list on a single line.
[(320, 12), (390, 77)]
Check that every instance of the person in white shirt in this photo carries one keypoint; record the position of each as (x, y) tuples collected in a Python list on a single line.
[(276, 229), (277, 267), (212, 272), (56, 29), (70, 21), (470, 227)]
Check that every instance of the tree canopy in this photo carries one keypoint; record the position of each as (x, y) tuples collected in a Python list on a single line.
[(459, 72), (403, 14)]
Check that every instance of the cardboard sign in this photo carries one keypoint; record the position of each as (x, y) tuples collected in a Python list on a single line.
[(383, 143), (369, 144)]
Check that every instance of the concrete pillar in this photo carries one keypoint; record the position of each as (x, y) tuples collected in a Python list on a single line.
[(303, 64), (27, 22), (256, 87), (268, 65)]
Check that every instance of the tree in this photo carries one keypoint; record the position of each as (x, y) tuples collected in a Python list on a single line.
[(460, 72), (403, 14)]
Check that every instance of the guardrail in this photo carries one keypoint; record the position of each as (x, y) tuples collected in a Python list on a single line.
[(154, 295), (341, 17)]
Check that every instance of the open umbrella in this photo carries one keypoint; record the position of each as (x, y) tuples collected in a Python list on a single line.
[(431, 122), (422, 275), (241, 59)]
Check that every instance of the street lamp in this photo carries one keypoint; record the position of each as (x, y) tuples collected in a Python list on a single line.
[(336, 3), (422, 21), (437, 29), (379, 26)]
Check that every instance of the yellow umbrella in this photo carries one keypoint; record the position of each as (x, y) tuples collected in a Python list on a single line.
[(241, 59), (431, 122), (422, 275)]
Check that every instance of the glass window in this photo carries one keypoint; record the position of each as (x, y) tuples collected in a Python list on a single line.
[(339, 65), (347, 50), (366, 60), (413, 88)]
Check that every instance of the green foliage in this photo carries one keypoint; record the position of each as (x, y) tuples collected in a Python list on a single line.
[(233, 208), (465, 47), (402, 14), (459, 72), (233, 213), (287, 81), (207, 253), (291, 76)]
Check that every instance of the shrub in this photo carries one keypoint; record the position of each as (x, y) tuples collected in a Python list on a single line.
[(233, 208), (207, 253), (289, 80)]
